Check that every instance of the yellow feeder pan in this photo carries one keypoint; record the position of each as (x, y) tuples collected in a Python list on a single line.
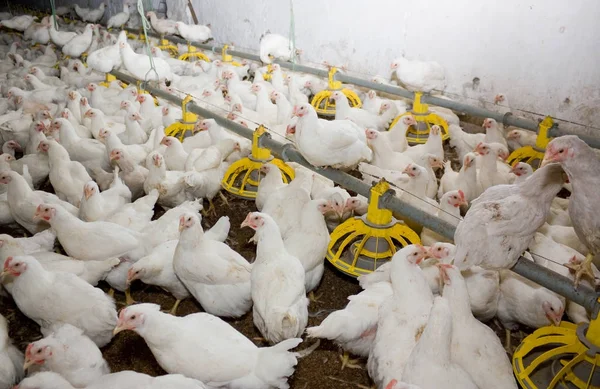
[(227, 58), (563, 357), (180, 128), (194, 53), (321, 101), (361, 244), (110, 78), (267, 76), (243, 176), (425, 119), (131, 36), (168, 47), (533, 155)]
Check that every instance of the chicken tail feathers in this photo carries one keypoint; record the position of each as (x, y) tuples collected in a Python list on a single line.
[(275, 364)]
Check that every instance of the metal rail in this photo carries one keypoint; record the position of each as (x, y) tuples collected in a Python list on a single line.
[(508, 119), (582, 295)]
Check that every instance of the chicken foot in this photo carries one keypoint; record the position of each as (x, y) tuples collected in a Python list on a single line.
[(582, 269), (351, 383), (314, 298), (211, 209), (349, 363)]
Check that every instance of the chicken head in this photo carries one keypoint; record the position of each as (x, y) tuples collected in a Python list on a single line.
[(456, 198), (129, 319), (522, 169), (14, 266), (5, 177), (116, 154), (36, 354), (554, 311), (253, 220), (489, 123), (187, 220), (89, 189), (44, 212), (562, 149), (300, 110), (43, 146), (441, 250), (415, 253)]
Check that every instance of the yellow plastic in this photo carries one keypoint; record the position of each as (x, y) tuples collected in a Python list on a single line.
[(563, 343), (228, 58), (188, 120), (239, 179), (353, 234), (422, 114), (131, 36), (168, 47), (193, 53), (531, 154), (321, 101), (110, 78), (267, 76)]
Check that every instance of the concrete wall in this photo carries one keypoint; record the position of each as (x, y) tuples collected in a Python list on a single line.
[(543, 54)]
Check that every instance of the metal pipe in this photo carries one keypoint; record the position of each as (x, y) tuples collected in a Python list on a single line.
[(508, 119), (528, 269)]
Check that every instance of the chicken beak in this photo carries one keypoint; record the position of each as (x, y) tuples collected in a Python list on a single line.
[(246, 222), (118, 329), (548, 158), (28, 363), (88, 193)]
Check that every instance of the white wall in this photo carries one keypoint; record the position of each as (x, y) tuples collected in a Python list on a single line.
[(538, 52)]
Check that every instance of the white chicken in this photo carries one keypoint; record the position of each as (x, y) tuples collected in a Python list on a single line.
[(119, 19), (419, 76), (217, 276), (492, 369), (67, 177), (402, 317), (280, 308), (493, 215), (140, 66), (79, 44), (193, 32), (430, 364), (23, 201), (68, 352), (275, 46), (59, 298), (311, 227), (201, 339), (11, 359)]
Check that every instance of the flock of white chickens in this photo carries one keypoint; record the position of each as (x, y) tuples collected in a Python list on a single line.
[(103, 150)]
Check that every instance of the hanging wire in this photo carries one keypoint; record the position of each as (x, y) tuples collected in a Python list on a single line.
[(53, 7), (292, 33), (146, 27)]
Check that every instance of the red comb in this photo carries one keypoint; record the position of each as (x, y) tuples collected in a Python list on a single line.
[(461, 194)]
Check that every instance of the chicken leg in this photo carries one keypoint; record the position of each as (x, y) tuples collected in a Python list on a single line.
[(225, 201), (174, 309), (211, 209), (349, 363), (128, 299), (582, 269)]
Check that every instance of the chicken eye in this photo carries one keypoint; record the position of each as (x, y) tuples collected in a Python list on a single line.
[(39, 351), (561, 151), (132, 317), (439, 249), (552, 309)]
